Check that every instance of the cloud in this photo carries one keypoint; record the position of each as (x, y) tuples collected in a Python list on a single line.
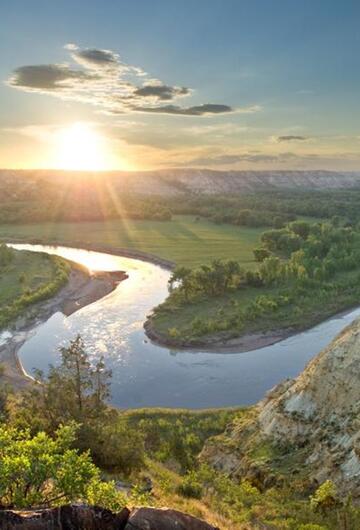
[(98, 76), (292, 138), (199, 110), (93, 57), (100, 59), (252, 157), (229, 159), (161, 92), (45, 77)]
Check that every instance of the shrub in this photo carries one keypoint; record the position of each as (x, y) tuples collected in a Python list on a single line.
[(190, 487), (324, 498)]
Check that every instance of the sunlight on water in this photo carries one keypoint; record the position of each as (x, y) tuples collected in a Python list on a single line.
[(94, 261)]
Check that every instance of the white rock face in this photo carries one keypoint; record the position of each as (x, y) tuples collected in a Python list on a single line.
[(322, 408), (318, 411)]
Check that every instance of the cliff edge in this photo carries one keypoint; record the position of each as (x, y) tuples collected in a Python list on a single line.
[(308, 428)]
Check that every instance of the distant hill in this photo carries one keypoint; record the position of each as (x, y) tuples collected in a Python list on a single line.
[(174, 181)]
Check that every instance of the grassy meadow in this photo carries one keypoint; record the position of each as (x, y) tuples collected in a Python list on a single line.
[(182, 240), (28, 270), (28, 278)]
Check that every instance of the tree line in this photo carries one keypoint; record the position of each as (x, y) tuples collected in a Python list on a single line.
[(300, 266)]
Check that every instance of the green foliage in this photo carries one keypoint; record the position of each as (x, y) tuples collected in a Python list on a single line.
[(77, 391), (26, 268), (210, 280), (311, 526), (45, 471), (261, 253), (6, 255), (178, 436), (190, 486), (104, 494), (308, 271), (325, 497)]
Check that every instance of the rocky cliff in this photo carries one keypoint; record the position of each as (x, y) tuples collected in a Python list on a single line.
[(308, 427)]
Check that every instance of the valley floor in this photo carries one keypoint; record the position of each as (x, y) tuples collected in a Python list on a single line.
[(184, 240)]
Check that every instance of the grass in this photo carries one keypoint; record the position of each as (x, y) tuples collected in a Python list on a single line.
[(225, 502), (29, 278), (178, 435), (182, 240), (300, 313), (37, 270)]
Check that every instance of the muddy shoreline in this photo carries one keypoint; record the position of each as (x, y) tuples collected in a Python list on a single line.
[(220, 344), (81, 290)]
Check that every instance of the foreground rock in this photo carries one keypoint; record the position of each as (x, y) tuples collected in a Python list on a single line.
[(82, 517), (308, 427), (152, 519)]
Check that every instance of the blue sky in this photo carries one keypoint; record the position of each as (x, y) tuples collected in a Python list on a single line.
[(270, 84)]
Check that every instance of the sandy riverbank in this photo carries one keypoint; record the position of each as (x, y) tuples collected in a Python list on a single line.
[(82, 289)]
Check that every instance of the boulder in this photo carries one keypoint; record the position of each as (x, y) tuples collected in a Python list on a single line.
[(164, 519), (83, 517), (72, 517)]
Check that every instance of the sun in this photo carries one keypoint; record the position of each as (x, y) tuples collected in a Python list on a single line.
[(81, 147)]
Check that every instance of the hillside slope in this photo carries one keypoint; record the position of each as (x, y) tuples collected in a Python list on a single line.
[(170, 182), (307, 428)]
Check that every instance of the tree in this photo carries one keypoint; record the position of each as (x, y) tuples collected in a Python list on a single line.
[(43, 471), (300, 228), (324, 498), (271, 270), (74, 390), (261, 253), (77, 371), (77, 391), (6, 255), (181, 276)]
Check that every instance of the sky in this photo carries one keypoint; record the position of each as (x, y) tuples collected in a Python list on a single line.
[(151, 84)]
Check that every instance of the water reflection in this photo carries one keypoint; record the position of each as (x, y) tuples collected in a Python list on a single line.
[(148, 375)]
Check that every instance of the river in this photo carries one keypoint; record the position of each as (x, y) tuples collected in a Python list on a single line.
[(148, 375)]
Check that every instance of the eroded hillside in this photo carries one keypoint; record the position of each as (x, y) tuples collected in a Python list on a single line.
[(169, 182), (307, 428)]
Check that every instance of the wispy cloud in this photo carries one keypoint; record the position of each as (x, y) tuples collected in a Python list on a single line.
[(232, 159), (99, 77), (254, 158), (292, 138)]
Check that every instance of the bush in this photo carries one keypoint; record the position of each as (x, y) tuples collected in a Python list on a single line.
[(324, 498), (190, 487), (45, 471)]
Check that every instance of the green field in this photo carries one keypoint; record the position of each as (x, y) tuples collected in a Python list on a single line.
[(182, 240), (28, 278), (35, 269)]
